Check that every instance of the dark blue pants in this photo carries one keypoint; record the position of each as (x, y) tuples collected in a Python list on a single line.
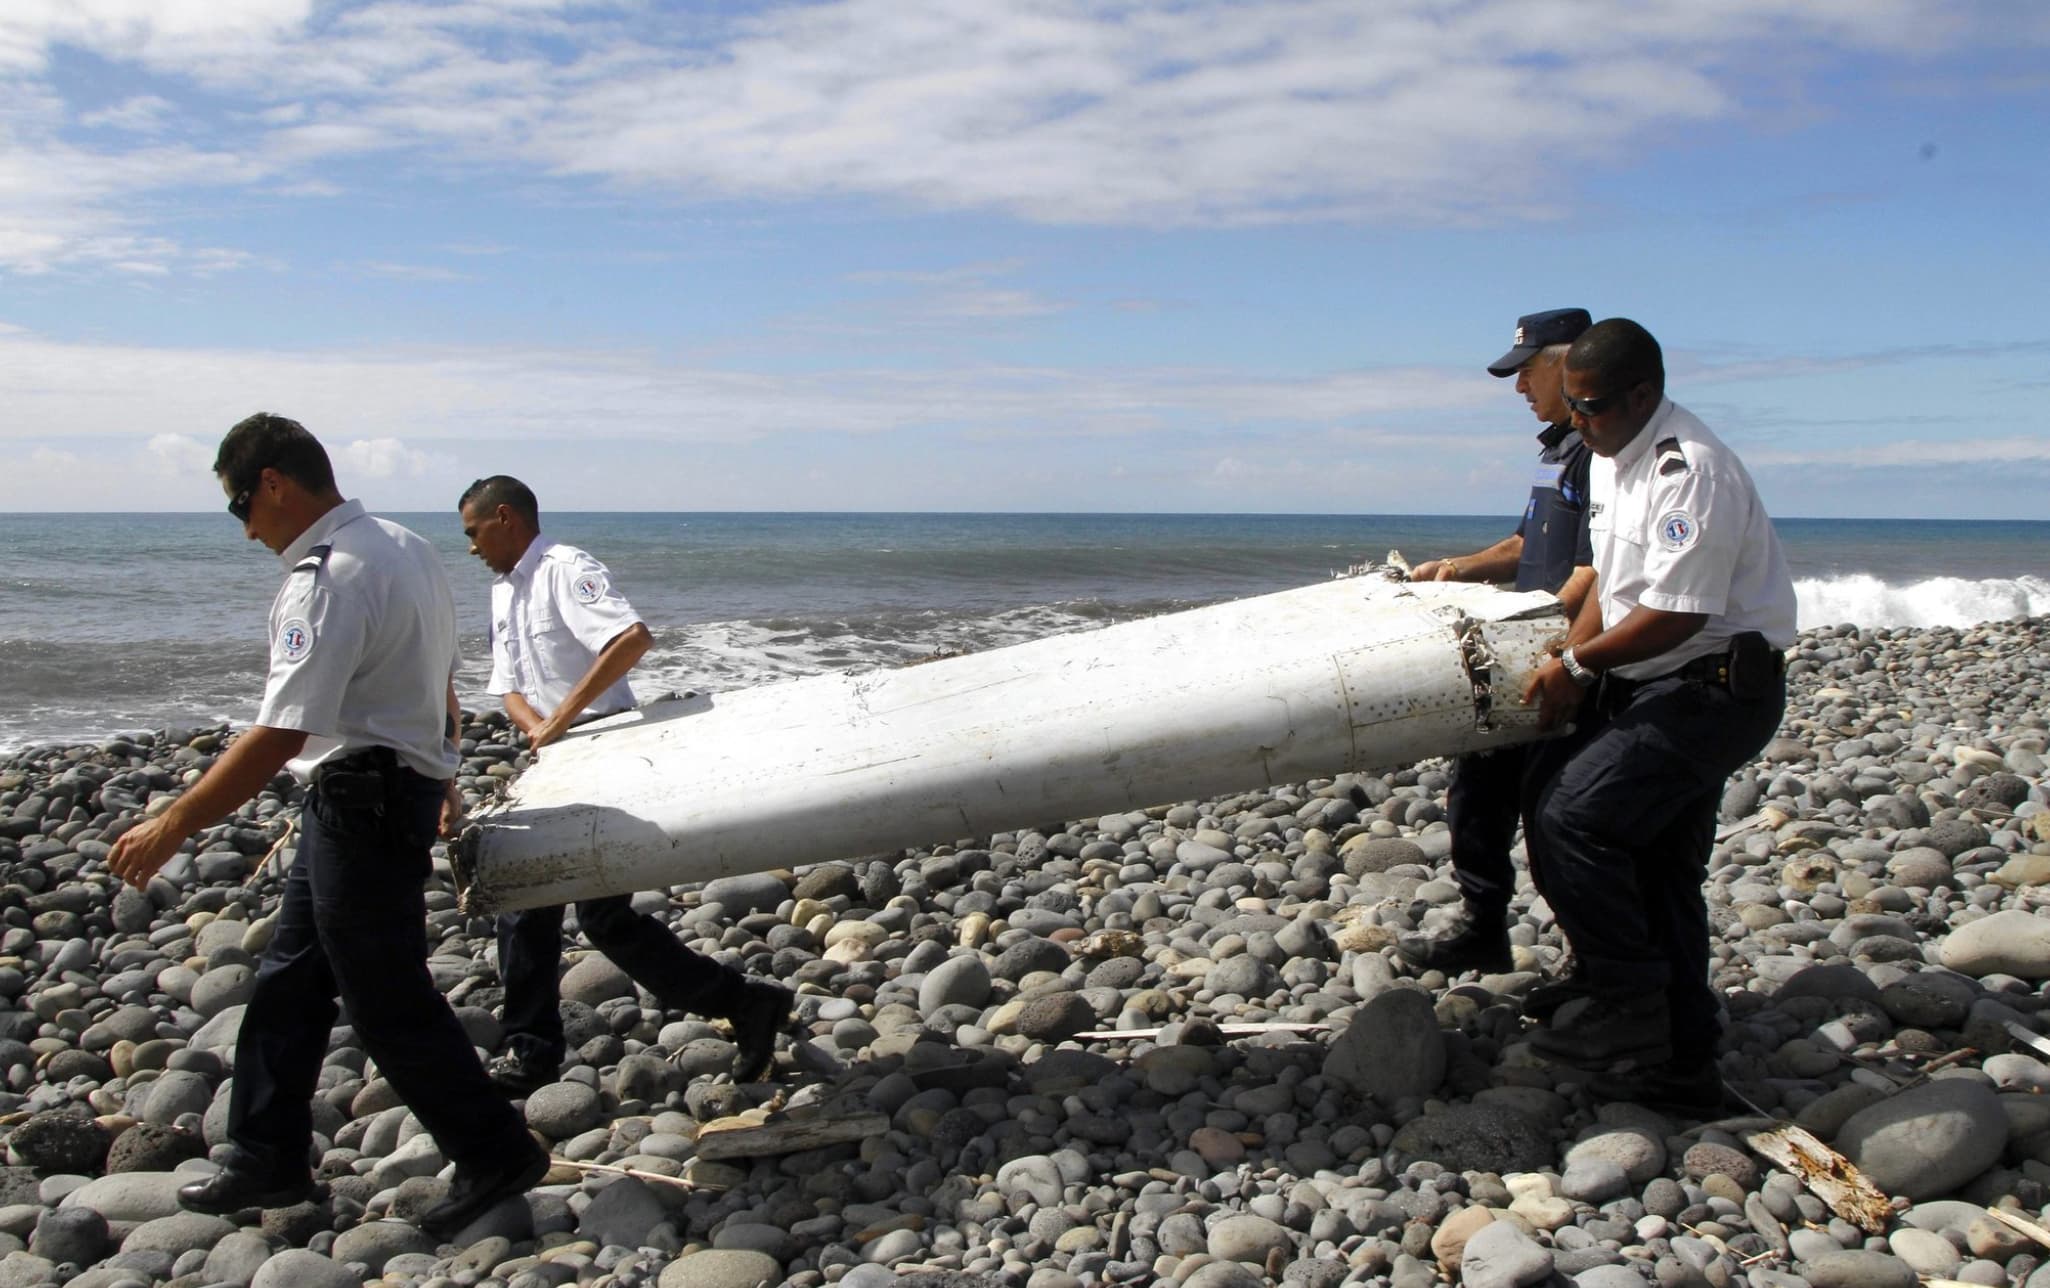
[(1481, 807), (353, 925), (530, 955), (1621, 819)]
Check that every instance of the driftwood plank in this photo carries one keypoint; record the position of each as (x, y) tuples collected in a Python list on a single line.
[(747, 1139), (1228, 1030), (1848, 1192)]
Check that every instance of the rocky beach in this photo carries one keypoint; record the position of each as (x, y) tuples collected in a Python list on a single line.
[(1876, 897)]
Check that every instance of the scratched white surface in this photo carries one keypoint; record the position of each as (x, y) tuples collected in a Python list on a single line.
[(1354, 674)]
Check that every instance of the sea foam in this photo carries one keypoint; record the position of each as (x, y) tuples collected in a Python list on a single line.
[(1862, 599)]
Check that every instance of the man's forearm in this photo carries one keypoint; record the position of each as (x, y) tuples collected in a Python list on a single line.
[(1643, 634), (607, 669), (1496, 563), (1577, 591), (521, 712)]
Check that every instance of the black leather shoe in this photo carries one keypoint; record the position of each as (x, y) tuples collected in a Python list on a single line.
[(1477, 941), (1543, 1001), (1691, 1089), (762, 1012), (517, 1072), (475, 1191), (1610, 1034), (234, 1190)]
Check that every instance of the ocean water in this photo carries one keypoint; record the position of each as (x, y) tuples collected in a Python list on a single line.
[(112, 622)]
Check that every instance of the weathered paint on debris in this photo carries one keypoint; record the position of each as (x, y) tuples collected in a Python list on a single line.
[(1343, 676)]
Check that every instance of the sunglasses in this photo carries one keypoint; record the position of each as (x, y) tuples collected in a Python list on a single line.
[(241, 503), (1597, 405)]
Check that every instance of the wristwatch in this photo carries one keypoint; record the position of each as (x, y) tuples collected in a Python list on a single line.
[(1579, 674)]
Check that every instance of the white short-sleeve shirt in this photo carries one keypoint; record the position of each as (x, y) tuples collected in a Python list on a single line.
[(550, 618), (363, 643), (1677, 526)]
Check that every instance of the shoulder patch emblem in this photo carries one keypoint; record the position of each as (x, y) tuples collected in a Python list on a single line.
[(588, 588), (1677, 530), (295, 639)]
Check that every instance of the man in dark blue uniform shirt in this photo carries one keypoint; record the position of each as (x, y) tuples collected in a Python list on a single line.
[(1548, 551)]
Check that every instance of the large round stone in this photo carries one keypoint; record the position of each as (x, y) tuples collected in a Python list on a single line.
[(60, 1140), (377, 1242), (1476, 1138), (1055, 1017), (594, 979), (1380, 853), (1249, 1239), (1928, 1140), (152, 1147), (298, 1268), (1392, 1049), (561, 1110), (1245, 975), (2013, 942), (722, 1268), (961, 980), (747, 893)]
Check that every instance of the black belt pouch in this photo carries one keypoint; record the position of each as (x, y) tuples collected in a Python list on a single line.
[(1754, 667)]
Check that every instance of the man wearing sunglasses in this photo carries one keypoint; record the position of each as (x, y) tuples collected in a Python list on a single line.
[(562, 641), (1674, 678), (1548, 551), (360, 702)]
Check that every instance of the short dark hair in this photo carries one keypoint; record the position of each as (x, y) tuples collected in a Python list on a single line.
[(502, 489), (269, 441), (1619, 352)]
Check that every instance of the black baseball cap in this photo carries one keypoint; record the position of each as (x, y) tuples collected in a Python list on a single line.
[(1534, 331)]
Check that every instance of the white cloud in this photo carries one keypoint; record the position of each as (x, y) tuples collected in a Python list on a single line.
[(1070, 111), (383, 458), (179, 456), (410, 272), (142, 114), (1910, 453), (468, 395)]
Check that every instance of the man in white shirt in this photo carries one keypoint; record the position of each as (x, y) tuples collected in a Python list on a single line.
[(1675, 677), (562, 641), (360, 701)]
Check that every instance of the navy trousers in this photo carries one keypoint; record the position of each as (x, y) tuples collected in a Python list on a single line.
[(352, 925), (530, 955), (1481, 807), (1621, 820)]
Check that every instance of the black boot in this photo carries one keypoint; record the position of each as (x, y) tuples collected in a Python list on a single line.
[(476, 1190), (1689, 1088), (762, 1012), (1610, 1033), (1545, 998), (1479, 940), (517, 1071)]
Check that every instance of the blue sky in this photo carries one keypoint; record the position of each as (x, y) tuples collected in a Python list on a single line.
[(961, 254)]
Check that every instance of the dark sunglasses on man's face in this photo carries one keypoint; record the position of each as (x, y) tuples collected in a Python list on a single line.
[(1597, 405), (239, 504)]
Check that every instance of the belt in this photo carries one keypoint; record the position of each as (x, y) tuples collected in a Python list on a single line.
[(364, 777), (1712, 668), (1715, 668)]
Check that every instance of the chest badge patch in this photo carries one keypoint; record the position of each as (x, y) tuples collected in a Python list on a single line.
[(588, 588), (1677, 530), (295, 639)]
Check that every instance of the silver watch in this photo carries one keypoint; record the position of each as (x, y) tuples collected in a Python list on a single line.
[(1578, 673)]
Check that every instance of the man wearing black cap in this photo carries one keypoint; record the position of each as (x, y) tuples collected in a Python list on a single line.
[(1548, 551)]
